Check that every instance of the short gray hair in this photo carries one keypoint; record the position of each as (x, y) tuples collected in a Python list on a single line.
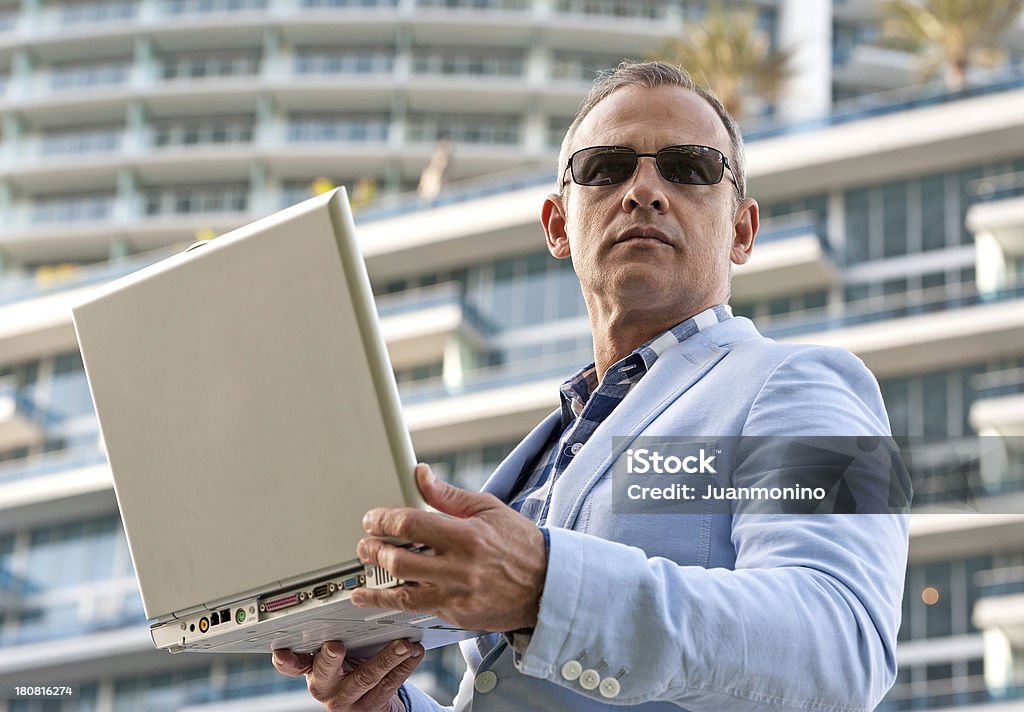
[(650, 75)]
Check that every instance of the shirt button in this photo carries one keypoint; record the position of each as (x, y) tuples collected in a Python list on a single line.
[(485, 682), (576, 447), (589, 679), (571, 670)]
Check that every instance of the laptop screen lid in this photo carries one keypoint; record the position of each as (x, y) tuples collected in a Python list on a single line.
[(248, 407)]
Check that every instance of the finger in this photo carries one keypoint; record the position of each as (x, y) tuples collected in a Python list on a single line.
[(290, 663), (389, 684), (369, 675), (434, 530), (414, 598), (401, 563), (325, 677), (450, 499)]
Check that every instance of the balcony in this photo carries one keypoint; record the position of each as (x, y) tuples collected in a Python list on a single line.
[(879, 67), (997, 221), (999, 613), (999, 407), (428, 325), (932, 328), (789, 251), (21, 422), (917, 132), (12, 591)]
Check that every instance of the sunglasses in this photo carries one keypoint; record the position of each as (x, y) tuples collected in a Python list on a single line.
[(610, 165)]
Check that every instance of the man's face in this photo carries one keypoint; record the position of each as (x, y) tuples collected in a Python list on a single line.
[(649, 245)]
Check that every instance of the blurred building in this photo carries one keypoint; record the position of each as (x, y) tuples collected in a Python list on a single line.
[(893, 226)]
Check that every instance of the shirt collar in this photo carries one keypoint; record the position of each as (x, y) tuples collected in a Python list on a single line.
[(576, 391)]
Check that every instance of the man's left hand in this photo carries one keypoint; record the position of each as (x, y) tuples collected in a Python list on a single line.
[(487, 565)]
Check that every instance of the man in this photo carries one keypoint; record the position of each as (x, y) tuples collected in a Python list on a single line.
[(589, 606)]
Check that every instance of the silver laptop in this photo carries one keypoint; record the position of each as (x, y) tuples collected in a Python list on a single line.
[(251, 418)]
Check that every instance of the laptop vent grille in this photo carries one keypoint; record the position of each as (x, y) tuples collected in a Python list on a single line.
[(376, 577)]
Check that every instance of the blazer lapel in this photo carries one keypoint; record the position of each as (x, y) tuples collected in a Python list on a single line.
[(504, 477), (674, 372)]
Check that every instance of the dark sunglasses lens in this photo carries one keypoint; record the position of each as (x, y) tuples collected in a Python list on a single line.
[(693, 167), (602, 166)]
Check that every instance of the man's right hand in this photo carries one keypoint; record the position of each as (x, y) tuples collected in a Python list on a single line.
[(353, 686)]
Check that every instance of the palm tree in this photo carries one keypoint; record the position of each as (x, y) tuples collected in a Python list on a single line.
[(953, 34), (730, 56)]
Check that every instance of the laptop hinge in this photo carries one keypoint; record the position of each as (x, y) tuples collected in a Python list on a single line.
[(178, 615)]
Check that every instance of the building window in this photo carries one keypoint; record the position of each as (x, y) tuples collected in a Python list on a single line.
[(185, 200), (350, 61), (578, 67), (81, 76), (72, 208), (74, 13), (193, 7), (199, 66), (202, 131), (472, 62), (100, 139), (333, 127), (462, 128), (637, 9), (350, 3), (474, 4)]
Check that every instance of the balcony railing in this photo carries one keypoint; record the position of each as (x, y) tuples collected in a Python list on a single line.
[(1006, 581), (52, 463), (21, 288), (462, 192), (996, 384), (885, 308), (1010, 185), (884, 103), (791, 225), (416, 300), (944, 693), (507, 374), (126, 613)]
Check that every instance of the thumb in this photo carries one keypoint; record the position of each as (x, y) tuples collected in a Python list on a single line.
[(449, 499)]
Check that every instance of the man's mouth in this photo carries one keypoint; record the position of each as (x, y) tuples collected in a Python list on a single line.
[(645, 234)]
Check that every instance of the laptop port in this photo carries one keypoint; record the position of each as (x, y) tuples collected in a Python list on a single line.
[(204, 624), (215, 618), (240, 616), (352, 582), (276, 604), (323, 591), (225, 615)]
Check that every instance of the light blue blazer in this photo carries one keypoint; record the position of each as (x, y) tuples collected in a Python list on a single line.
[(708, 611)]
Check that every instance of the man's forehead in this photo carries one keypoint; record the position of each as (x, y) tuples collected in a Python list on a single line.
[(664, 115)]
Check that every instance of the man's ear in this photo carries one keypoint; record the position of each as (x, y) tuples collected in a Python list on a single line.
[(745, 225), (552, 219)]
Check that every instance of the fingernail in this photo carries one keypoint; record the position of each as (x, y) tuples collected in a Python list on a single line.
[(430, 478), (401, 649), (361, 550), (367, 521), (416, 650), (329, 653)]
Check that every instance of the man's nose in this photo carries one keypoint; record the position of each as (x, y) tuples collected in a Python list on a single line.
[(646, 188)]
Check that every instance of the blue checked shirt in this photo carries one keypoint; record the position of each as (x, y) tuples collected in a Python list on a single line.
[(585, 405)]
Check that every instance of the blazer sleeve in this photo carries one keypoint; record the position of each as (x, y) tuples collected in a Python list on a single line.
[(807, 620)]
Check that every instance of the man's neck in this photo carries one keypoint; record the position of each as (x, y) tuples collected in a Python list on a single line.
[(615, 337)]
